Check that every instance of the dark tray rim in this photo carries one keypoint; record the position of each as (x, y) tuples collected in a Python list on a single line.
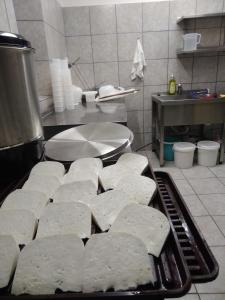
[(201, 278)]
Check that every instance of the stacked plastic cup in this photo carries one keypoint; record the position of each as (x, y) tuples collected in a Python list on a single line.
[(57, 84), (67, 85)]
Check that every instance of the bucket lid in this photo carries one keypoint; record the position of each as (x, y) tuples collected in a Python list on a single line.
[(184, 147), (208, 145), (13, 40)]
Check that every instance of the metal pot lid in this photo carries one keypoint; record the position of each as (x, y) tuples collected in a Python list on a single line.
[(101, 140), (13, 40)]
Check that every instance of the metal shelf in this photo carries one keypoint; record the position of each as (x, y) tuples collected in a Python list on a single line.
[(202, 50), (184, 18)]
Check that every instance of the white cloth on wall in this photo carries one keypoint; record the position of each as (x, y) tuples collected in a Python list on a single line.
[(138, 62)]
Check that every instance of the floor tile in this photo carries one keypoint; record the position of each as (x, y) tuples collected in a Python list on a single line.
[(207, 186), (222, 179), (214, 203), (218, 170), (192, 290), (184, 187), (218, 285), (220, 221), (198, 172), (195, 206), (210, 231), (187, 297), (174, 172), (212, 296)]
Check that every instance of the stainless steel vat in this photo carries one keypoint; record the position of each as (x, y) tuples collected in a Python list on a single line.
[(20, 121)]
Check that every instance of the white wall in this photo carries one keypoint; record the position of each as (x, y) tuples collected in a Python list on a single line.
[(72, 3), (7, 16)]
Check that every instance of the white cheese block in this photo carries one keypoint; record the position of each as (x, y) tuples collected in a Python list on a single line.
[(109, 176), (138, 163), (48, 264), (45, 184), (65, 218), (82, 175), (20, 224), (140, 188), (107, 206), (89, 163), (115, 260), (33, 201), (48, 168), (79, 191), (9, 252), (146, 223)]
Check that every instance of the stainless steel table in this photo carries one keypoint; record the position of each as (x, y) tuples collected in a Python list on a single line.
[(84, 114), (183, 110)]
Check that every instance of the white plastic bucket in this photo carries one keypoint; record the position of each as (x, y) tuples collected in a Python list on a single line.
[(207, 153), (183, 154)]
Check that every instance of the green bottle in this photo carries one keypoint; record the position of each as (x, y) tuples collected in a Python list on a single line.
[(172, 85)]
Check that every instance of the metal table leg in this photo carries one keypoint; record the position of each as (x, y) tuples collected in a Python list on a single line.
[(221, 158), (161, 147)]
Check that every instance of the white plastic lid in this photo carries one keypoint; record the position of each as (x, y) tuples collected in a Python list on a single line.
[(184, 147), (208, 145)]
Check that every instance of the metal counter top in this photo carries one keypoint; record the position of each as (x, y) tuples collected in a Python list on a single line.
[(164, 99), (91, 112), (84, 114)]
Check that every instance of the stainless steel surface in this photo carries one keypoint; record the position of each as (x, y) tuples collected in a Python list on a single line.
[(19, 114), (92, 112), (183, 110), (102, 140), (200, 16), (181, 52)]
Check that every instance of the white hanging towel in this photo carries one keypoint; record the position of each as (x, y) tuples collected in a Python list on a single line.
[(139, 62)]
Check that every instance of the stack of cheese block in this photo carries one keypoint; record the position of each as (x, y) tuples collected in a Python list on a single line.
[(54, 211)]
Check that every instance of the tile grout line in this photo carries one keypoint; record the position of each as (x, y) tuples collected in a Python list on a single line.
[(117, 48), (142, 37), (92, 51)]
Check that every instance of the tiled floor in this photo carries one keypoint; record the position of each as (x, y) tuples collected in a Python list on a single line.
[(203, 190)]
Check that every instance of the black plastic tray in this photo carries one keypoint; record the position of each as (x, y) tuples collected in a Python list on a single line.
[(201, 263), (172, 275)]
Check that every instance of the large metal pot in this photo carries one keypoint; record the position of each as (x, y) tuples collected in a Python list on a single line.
[(20, 121)]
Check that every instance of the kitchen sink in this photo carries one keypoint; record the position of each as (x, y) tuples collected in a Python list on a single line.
[(165, 97)]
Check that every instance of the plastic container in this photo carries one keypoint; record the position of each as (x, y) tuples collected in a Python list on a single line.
[(168, 147), (191, 40), (184, 154), (90, 96), (207, 153)]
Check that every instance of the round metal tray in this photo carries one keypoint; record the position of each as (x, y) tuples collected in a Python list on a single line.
[(102, 140)]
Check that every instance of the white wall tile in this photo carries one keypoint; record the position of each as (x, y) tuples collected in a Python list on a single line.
[(4, 24), (208, 6), (156, 44), (181, 69), (126, 45), (79, 46), (107, 73), (104, 48), (135, 121), (204, 69), (103, 19), (28, 10), (76, 21), (155, 16), (87, 72), (156, 72), (129, 17)]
